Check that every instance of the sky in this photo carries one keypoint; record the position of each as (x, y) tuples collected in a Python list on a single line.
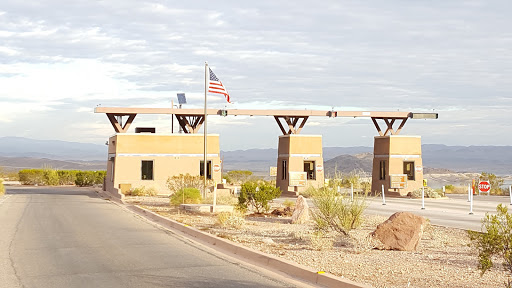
[(61, 59)]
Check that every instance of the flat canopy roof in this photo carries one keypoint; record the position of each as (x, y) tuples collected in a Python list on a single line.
[(266, 112), (191, 120)]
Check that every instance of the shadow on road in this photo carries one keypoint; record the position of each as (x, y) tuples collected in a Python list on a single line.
[(52, 190)]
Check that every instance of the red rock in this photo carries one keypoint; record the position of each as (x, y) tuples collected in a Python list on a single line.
[(402, 231)]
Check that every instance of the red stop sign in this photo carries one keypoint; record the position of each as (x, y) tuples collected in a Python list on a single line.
[(484, 186)]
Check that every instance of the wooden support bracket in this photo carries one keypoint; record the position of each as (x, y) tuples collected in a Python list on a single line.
[(292, 122), (389, 124), (190, 123), (117, 126)]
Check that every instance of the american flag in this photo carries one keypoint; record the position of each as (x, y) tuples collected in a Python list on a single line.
[(216, 86)]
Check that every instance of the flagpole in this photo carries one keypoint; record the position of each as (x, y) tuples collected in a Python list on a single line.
[(205, 165)]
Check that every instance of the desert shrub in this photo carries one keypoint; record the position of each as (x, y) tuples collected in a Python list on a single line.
[(31, 176), (288, 204), (257, 195), (89, 178), (308, 193), (495, 181), (177, 183), (494, 240), (67, 177), (222, 199), (186, 196), (142, 191), (429, 193), (449, 188), (337, 212), (85, 178), (99, 176), (230, 220), (50, 177), (318, 240), (2, 188)]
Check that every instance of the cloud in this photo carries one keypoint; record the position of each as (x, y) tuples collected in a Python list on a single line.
[(453, 57)]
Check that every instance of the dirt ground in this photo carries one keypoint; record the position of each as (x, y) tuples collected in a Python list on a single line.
[(444, 257)]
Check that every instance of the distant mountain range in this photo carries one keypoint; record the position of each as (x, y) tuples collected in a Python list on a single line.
[(17, 152), (437, 158), (51, 149)]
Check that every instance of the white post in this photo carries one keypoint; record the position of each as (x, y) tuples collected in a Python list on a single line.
[(339, 189), (214, 197), (510, 193), (469, 193), (205, 164), (471, 205), (383, 196), (351, 191), (422, 198), (444, 191)]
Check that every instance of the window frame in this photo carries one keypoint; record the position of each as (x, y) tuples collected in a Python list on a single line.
[(152, 170), (208, 169), (411, 174), (382, 170), (309, 176)]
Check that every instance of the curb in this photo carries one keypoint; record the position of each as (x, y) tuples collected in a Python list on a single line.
[(249, 255)]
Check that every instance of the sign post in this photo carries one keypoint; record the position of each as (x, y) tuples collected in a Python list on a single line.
[(423, 198), (484, 187)]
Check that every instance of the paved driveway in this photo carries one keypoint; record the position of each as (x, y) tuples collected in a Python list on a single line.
[(69, 237)]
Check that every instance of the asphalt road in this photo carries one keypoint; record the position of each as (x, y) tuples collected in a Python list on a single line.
[(452, 211), (70, 237)]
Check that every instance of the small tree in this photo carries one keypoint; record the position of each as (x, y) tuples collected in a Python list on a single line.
[(495, 241), (177, 183), (257, 195), (495, 182)]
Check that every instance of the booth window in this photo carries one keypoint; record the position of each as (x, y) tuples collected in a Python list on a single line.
[(147, 170), (309, 168), (208, 169), (382, 173), (285, 170), (409, 169)]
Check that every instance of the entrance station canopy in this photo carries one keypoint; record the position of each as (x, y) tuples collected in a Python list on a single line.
[(191, 120)]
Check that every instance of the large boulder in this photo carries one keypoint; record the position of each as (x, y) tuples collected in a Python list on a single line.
[(301, 213), (402, 231)]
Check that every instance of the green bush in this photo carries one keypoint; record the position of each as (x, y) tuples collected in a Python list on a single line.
[(257, 195), (31, 176), (495, 241), (337, 212), (67, 177), (186, 196), (2, 188), (89, 178), (49, 176)]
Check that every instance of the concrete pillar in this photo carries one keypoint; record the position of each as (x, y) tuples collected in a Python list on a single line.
[(397, 154), (299, 154)]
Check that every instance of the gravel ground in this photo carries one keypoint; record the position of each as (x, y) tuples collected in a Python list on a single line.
[(443, 259)]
